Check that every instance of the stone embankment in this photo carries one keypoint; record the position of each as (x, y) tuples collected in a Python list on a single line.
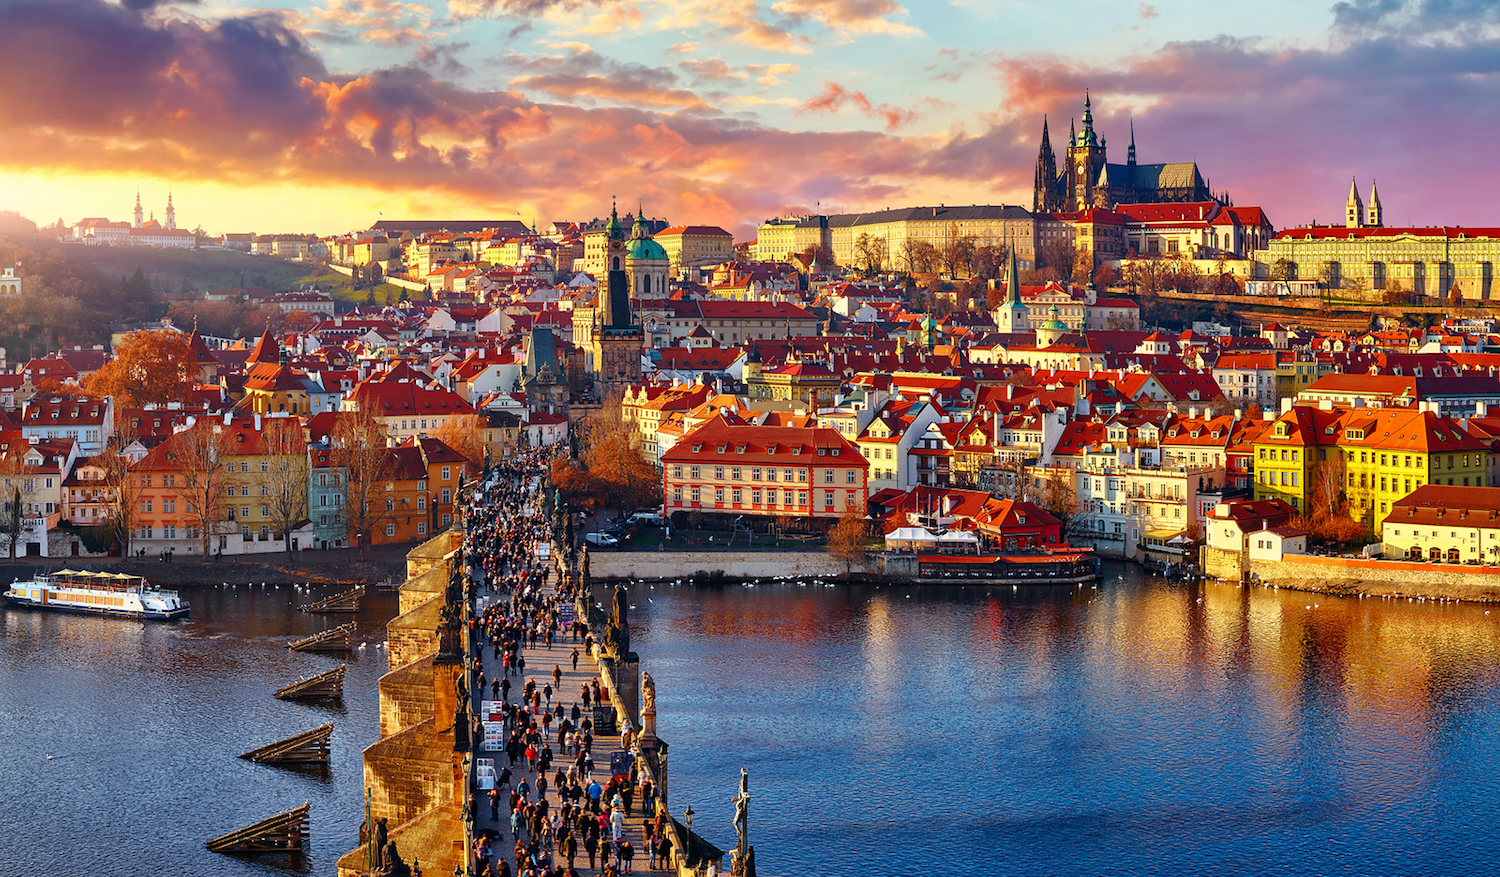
[(1378, 578)]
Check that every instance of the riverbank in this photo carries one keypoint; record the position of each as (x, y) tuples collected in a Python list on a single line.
[(384, 563), (1368, 577)]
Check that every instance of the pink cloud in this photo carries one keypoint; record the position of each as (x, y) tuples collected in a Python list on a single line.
[(834, 97)]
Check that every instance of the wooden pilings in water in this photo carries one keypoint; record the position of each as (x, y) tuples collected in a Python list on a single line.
[(347, 601), (282, 833), (334, 639), (324, 686), (309, 747)]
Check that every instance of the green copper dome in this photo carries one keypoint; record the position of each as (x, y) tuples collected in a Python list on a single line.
[(644, 248)]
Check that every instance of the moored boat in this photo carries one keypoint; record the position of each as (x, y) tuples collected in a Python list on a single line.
[(97, 593)]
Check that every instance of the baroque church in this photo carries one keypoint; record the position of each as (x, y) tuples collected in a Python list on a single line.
[(1087, 179)]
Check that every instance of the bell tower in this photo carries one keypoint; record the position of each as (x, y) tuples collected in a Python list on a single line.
[(1354, 208), (1086, 158), (617, 339)]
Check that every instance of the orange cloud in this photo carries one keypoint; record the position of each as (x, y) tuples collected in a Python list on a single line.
[(835, 96)]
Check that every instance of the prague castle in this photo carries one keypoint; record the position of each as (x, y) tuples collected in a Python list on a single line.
[(1087, 179)]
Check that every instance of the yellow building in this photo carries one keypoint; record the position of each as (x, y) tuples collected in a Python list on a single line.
[(1445, 525), (1371, 457), (1425, 261), (694, 245)]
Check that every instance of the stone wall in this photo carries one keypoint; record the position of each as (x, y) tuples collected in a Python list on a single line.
[(409, 773), (1223, 564), (671, 565), (406, 696), (1341, 575), (413, 634)]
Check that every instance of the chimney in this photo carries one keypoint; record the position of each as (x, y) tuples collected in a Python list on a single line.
[(1325, 404), (1238, 413), (257, 423), (1286, 405), (1192, 412), (1481, 409)]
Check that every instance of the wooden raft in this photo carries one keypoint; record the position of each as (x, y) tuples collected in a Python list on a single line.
[(334, 639), (324, 686), (309, 747), (348, 601), (284, 832)]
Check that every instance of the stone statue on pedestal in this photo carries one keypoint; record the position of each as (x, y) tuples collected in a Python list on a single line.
[(390, 863), (617, 634)]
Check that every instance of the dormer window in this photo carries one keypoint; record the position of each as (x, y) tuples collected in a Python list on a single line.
[(796, 451)]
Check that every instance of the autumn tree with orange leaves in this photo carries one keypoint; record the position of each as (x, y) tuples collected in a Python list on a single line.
[(148, 367)]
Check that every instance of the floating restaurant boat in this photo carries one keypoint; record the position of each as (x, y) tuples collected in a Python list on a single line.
[(97, 593)]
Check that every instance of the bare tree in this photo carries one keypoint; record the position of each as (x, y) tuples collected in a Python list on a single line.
[(288, 476), (197, 453), (118, 495), (1059, 496), (360, 444), (847, 538)]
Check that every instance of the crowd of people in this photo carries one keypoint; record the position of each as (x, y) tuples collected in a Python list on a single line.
[(555, 793)]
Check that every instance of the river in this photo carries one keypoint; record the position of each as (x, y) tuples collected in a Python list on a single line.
[(1140, 728)]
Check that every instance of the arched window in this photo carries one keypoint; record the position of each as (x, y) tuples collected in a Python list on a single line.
[(645, 285), (617, 263)]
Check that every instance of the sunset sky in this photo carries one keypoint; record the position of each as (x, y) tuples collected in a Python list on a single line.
[(319, 115)]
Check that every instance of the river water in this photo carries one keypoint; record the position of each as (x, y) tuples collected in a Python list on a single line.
[(144, 722), (1140, 728)]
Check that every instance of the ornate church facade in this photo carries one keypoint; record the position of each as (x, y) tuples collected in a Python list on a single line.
[(1087, 179)]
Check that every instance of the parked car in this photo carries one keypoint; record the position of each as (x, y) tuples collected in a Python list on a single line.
[(650, 519), (604, 540)]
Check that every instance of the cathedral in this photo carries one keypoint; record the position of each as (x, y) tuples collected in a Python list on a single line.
[(1087, 179)]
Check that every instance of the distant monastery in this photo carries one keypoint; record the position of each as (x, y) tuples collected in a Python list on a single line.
[(100, 232)]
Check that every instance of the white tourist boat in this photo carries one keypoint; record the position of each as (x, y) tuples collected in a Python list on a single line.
[(97, 593)]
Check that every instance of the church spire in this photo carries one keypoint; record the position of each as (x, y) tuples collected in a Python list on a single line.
[(1072, 134), (1089, 139), (1354, 208), (1130, 153), (1044, 187), (1377, 213)]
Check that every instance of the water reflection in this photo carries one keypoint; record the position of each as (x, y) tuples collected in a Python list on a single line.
[(1137, 728), (145, 722)]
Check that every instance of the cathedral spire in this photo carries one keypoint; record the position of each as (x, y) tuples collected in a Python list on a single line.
[(1072, 134), (1377, 213), (1088, 136), (1354, 208), (1044, 187), (1130, 153)]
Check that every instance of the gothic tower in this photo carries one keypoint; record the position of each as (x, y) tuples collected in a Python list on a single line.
[(1130, 153), (617, 339), (1086, 158), (1354, 208), (1046, 197), (1377, 215)]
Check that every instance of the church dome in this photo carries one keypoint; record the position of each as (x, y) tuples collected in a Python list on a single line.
[(644, 248)]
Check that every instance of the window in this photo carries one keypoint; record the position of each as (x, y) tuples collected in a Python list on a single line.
[(421, 528), (787, 475), (696, 493), (718, 496), (390, 505), (265, 490), (146, 506), (447, 496), (390, 529), (737, 495), (265, 466), (849, 477), (801, 497), (169, 506), (244, 511), (677, 494), (827, 476), (447, 474), (755, 497), (828, 499), (422, 502), (422, 484), (695, 472), (244, 466), (771, 474), (265, 511), (719, 473), (676, 471)]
